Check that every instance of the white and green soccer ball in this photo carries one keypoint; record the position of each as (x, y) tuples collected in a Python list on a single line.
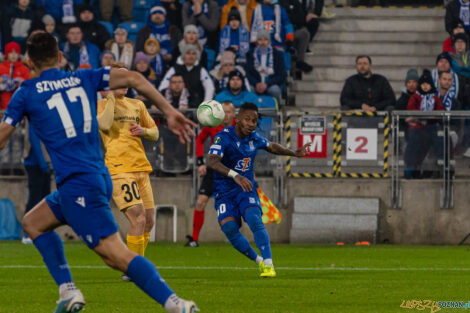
[(210, 113)]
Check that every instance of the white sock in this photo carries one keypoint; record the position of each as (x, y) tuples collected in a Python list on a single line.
[(65, 288), (258, 259), (172, 302), (268, 262)]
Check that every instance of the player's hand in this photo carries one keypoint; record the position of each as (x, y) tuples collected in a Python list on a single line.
[(181, 126), (136, 130), (303, 151), (202, 170), (244, 182)]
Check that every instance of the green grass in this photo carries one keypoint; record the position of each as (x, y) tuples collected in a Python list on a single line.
[(311, 278)]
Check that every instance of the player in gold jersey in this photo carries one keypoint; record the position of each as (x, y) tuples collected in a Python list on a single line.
[(122, 122)]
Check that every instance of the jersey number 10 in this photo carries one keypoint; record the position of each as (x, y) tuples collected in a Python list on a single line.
[(57, 101)]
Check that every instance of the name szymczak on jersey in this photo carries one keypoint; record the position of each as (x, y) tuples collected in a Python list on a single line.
[(53, 85)]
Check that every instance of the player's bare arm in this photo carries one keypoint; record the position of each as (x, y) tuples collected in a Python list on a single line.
[(5, 132), (177, 123), (214, 163), (276, 148)]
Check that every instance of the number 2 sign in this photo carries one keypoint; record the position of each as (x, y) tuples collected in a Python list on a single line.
[(361, 144)]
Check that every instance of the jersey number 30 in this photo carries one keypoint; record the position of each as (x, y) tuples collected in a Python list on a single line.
[(57, 101)]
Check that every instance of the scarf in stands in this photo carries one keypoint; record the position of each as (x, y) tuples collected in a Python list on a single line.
[(427, 101), (451, 93), (464, 14), (259, 22), (126, 55), (157, 65), (183, 100), (243, 43), (67, 9), (83, 58), (264, 62)]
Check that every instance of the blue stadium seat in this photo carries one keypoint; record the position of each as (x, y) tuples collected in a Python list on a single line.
[(109, 27), (287, 59), (210, 58), (141, 10), (132, 29)]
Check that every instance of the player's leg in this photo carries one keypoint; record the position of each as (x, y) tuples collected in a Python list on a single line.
[(205, 191), (39, 224), (127, 197), (145, 190), (229, 221)]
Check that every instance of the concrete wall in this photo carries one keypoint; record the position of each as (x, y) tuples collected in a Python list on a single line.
[(420, 221)]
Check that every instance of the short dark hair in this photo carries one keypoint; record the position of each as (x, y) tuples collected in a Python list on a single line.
[(74, 25), (442, 72), (177, 75), (42, 49), (248, 106), (364, 56)]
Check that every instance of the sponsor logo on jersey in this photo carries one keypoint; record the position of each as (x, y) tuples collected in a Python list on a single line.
[(217, 140), (243, 165), (81, 201)]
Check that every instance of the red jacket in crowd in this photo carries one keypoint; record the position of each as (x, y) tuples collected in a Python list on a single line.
[(16, 70)]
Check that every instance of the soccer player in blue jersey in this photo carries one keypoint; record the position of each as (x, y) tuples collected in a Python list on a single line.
[(232, 156), (61, 106)]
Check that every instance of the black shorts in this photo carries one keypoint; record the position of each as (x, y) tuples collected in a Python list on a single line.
[(207, 183)]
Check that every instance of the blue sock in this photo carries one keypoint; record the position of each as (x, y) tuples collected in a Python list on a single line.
[(237, 240), (253, 219), (52, 251), (144, 274)]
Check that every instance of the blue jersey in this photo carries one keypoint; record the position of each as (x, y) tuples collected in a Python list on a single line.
[(238, 155), (61, 106)]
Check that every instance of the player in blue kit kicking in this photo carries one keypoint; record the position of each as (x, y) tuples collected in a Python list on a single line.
[(61, 106), (232, 156)]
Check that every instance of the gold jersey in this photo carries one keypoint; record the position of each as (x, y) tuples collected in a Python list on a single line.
[(124, 152)]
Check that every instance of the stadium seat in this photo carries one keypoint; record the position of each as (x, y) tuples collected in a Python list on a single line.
[(210, 58), (174, 210), (141, 10), (132, 29), (109, 27)]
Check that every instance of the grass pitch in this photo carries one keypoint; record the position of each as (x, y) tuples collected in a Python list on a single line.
[(311, 278)]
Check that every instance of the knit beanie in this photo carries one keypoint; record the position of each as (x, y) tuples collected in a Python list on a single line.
[(190, 29), (150, 40), (12, 46), (140, 56), (444, 55), (263, 34), (48, 19), (234, 14), (426, 77), (227, 57), (187, 48), (460, 36), (412, 74), (157, 9)]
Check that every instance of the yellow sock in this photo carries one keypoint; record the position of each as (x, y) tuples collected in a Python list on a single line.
[(136, 244), (146, 240)]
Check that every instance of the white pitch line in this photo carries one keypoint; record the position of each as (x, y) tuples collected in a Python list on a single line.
[(376, 269)]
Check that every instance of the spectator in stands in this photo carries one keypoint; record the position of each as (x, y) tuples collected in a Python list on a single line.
[(205, 15), (12, 73), (460, 59), (17, 23), (221, 71), (298, 16), (245, 7), (152, 50), (367, 91), (445, 93), (314, 10), (107, 58), (236, 92), (125, 9), (196, 77), (447, 45), (265, 67), (443, 64), (122, 47), (190, 37), (142, 65), (49, 26), (173, 12), (274, 18), (78, 51), (422, 135), (458, 11), (235, 35), (157, 28), (93, 31), (411, 85), (176, 93)]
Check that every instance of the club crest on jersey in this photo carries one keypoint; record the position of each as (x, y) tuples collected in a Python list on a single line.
[(217, 140), (243, 165)]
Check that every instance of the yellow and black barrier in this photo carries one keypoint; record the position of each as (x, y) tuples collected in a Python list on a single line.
[(337, 148)]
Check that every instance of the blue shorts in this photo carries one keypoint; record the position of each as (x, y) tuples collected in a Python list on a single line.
[(82, 202), (236, 205)]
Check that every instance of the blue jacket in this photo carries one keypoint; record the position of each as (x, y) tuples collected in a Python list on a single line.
[(237, 100), (93, 55), (266, 20), (54, 7)]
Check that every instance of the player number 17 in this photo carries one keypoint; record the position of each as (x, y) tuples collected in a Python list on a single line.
[(57, 101)]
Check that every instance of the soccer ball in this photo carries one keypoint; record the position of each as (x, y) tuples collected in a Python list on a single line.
[(210, 113)]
